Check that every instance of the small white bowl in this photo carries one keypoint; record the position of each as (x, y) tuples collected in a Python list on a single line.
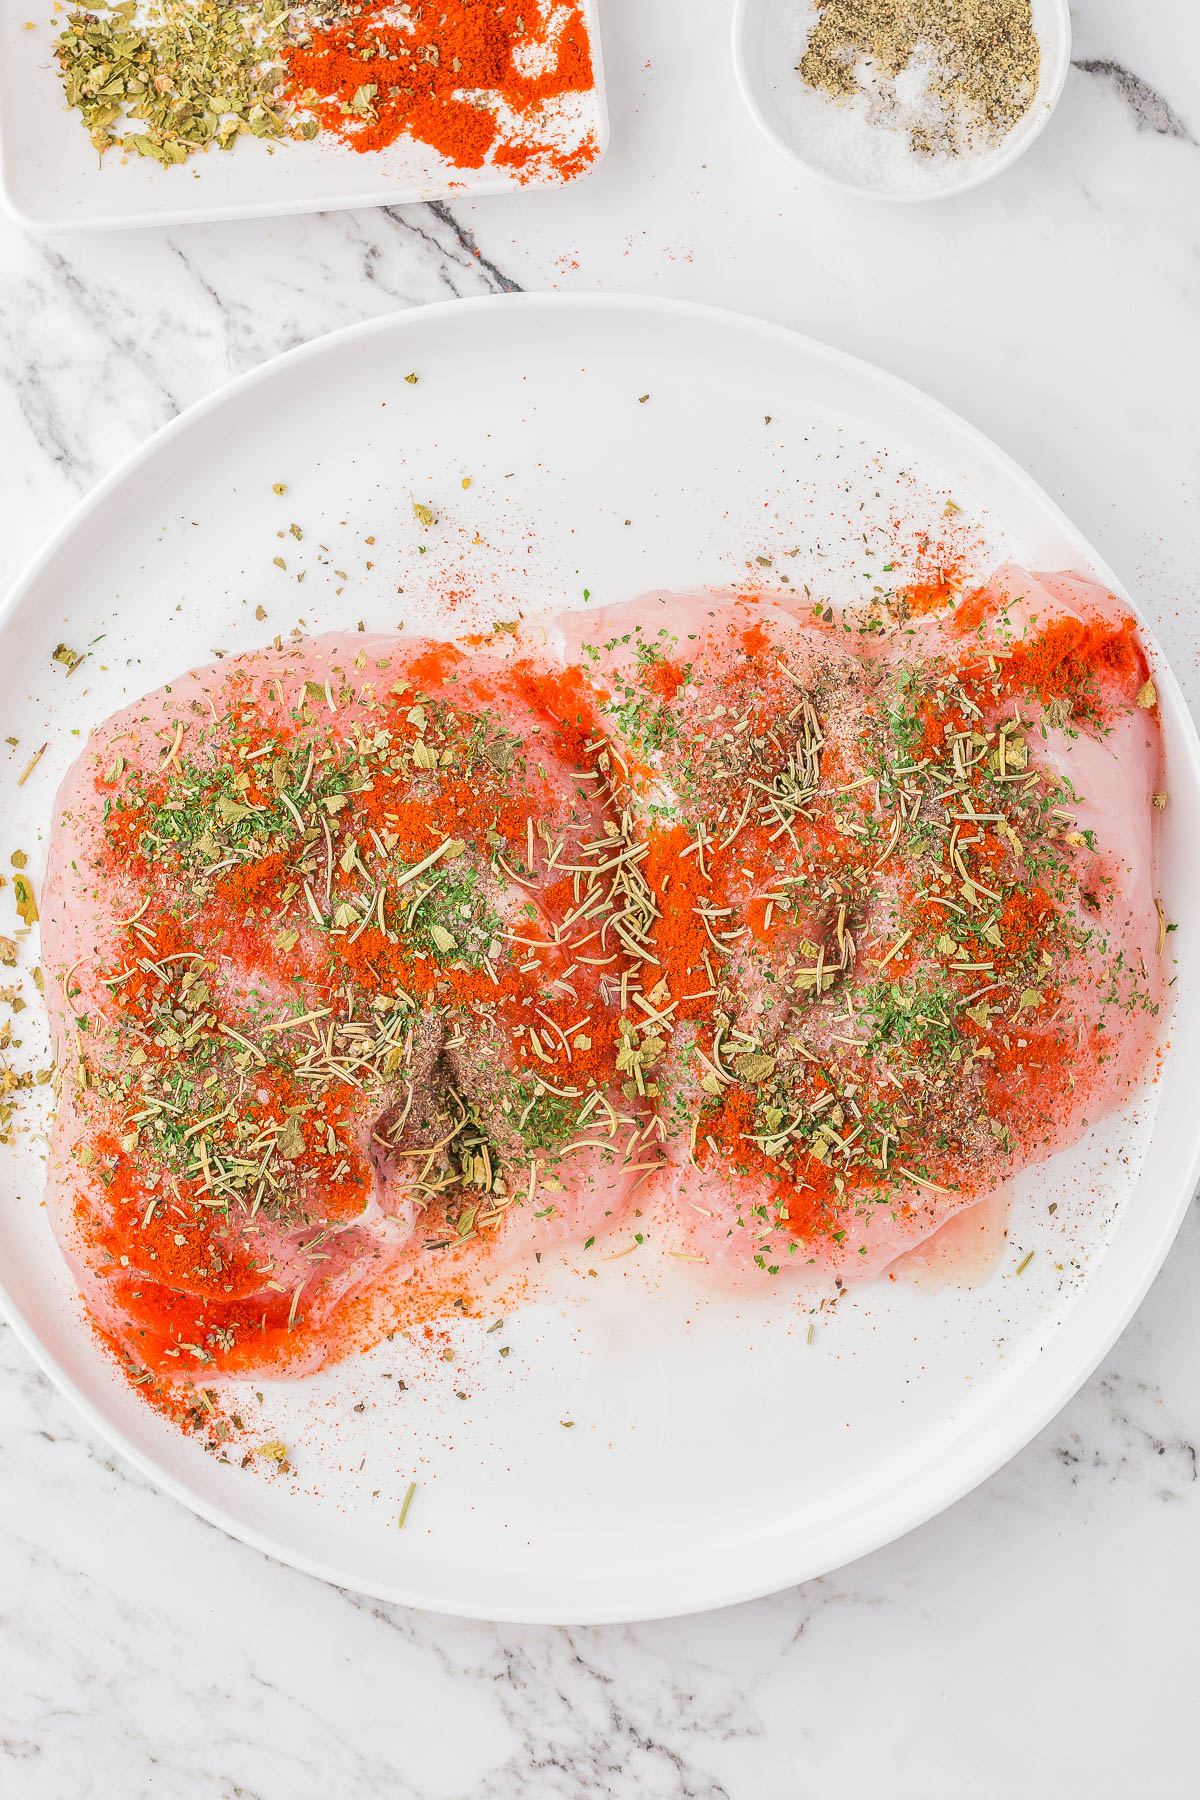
[(768, 41)]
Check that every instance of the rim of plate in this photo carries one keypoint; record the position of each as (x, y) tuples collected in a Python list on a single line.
[(1015, 146), (977, 1457)]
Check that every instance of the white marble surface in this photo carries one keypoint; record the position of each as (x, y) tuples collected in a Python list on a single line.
[(1039, 1639)]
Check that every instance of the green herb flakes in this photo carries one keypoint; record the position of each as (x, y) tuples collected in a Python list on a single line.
[(174, 77)]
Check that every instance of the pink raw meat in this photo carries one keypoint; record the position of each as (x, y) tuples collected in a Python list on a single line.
[(692, 692), (177, 963), (809, 930)]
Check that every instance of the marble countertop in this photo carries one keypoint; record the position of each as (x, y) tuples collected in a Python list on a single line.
[(1039, 1638)]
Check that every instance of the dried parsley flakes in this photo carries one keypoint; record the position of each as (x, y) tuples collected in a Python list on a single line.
[(190, 73)]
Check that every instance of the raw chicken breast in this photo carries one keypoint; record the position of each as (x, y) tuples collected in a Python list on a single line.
[(810, 931), (906, 939), (310, 925)]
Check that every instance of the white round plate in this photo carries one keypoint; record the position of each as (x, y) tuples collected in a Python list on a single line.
[(613, 446)]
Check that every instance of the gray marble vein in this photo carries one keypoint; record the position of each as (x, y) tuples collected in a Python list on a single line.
[(1150, 109), (462, 240)]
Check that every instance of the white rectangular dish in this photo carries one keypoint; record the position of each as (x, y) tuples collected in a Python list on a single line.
[(51, 179)]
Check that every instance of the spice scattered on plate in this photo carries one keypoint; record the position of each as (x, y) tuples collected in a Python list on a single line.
[(899, 94)]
